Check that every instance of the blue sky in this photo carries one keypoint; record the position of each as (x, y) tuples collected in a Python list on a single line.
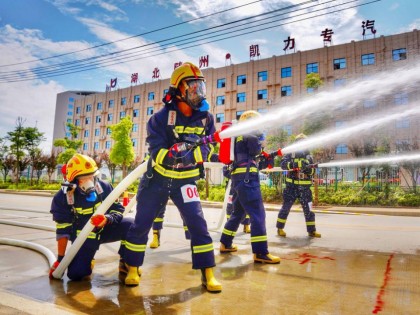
[(33, 31)]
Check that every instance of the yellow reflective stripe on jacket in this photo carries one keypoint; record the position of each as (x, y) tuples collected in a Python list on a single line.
[(195, 130), (310, 223), (211, 152), (62, 225), (197, 155), (87, 210), (298, 181), (161, 155), (229, 232), (262, 238), (135, 247), (203, 248), (241, 170), (281, 220), (176, 174), (92, 235)]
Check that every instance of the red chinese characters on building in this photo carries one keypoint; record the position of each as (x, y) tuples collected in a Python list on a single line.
[(177, 64), (156, 73), (368, 25), (203, 61), (254, 51), (327, 34), (289, 43), (134, 77)]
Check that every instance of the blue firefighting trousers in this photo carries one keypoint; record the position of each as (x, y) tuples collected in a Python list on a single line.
[(158, 222), (150, 199), (81, 264), (229, 210), (290, 194), (247, 199)]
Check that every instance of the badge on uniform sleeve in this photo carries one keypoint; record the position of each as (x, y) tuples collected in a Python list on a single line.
[(171, 118), (190, 193)]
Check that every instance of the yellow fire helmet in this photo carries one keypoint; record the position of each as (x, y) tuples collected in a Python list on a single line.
[(80, 165), (185, 71), (249, 114), (300, 136)]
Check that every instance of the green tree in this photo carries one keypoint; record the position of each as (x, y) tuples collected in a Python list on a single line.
[(33, 139), (364, 148), (51, 161), (111, 166), (413, 166), (70, 145), (122, 153)]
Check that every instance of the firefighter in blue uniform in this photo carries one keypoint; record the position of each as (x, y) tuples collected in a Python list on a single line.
[(173, 170), (298, 186), (229, 208), (247, 198), (73, 207)]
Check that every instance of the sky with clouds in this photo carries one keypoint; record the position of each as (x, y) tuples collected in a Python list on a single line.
[(52, 46)]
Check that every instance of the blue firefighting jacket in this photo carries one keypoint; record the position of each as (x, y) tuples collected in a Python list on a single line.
[(70, 219), (299, 160), (245, 164), (169, 126)]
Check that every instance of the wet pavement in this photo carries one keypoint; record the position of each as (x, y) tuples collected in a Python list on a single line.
[(363, 264)]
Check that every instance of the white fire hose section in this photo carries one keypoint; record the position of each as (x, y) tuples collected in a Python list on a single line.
[(29, 245)]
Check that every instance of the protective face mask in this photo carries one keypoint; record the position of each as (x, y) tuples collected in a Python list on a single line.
[(87, 186), (195, 94)]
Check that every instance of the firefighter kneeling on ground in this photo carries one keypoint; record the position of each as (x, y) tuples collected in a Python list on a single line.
[(298, 186), (173, 170), (73, 207), (247, 197)]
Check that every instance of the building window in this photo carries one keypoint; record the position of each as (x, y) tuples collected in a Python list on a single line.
[(241, 79), (221, 83), (241, 97), (122, 114), (69, 121), (86, 133), (99, 106), (88, 108), (403, 123), (341, 149), (368, 59), (151, 96), (78, 109), (399, 54), (220, 100), (165, 91), (135, 128), (123, 100), (339, 82), (262, 76), (287, 129), (136, 99), (220, 117), (312, 67), (85, 146), (111, 103), (149, 111), (134, 142), (70, 106), (369, 103), (136, 113), (107, 144), (69, 113), (286, 72), (98, 119), (87, 120), (262, 94), (97, 132), (310, 90), (401, 99), (286, 90), (68, 134), (96, 146), (339, 63), (71, 99), (77, 122), (108, 130), (238, 114), (110, 117)]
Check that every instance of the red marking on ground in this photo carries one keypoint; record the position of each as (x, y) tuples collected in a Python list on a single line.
[(379, 296), (305, 257)]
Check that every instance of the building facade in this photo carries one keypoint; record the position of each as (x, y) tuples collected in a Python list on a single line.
[(263, 85)]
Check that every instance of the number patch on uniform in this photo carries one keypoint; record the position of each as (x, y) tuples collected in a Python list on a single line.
[(190, 193)]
